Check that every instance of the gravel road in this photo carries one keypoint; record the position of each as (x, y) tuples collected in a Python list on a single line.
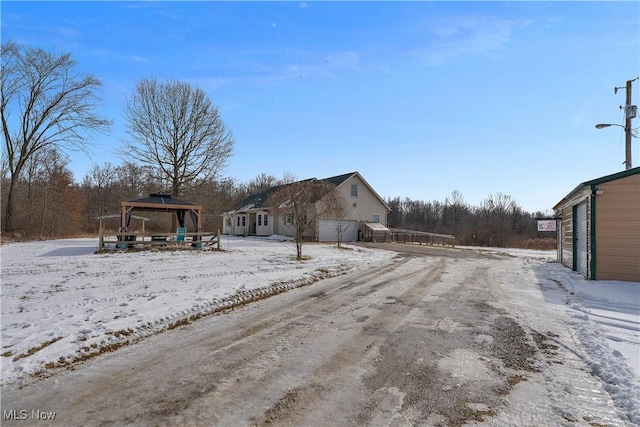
[(418, 340)]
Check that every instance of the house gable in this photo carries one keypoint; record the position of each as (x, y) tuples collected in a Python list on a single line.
[(343, 181), (362, 203)]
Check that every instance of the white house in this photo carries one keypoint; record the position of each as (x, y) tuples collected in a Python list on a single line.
[(255, 217)]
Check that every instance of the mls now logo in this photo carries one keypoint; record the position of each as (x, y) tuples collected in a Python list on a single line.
[(23, 414)]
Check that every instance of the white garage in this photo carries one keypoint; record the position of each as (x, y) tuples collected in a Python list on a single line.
[(328, 230)]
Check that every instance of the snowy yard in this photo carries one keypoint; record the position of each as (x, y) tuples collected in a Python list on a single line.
[(62, 303)]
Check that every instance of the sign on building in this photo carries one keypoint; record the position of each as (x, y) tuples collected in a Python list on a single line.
[(546, 225)]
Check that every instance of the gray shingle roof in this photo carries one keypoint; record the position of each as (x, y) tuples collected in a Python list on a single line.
[(261, 200)]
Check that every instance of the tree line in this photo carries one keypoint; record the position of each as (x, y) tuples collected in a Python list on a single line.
[(177, 143), (52, 204), (498, 221)]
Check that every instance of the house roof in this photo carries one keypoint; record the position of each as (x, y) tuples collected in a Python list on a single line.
[(337, 180), (601, 180), (256, 201), (261, 200)]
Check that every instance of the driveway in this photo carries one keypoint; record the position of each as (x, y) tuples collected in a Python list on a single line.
[(435, 337)]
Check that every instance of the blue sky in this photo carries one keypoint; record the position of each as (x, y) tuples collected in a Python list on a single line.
[(422, 98)]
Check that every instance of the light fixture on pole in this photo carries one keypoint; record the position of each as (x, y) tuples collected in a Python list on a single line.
[(606, 125), (630, 112), (628, 134)]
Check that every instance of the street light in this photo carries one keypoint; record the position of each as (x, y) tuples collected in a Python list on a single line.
[(628, 135), (606, 125)]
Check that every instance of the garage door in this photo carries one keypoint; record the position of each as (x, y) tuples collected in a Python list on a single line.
[(328, 230), (580, 238)]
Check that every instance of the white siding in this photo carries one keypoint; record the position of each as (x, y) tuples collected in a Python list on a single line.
[(365, 205)]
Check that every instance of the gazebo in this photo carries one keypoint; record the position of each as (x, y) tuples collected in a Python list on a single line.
[(161, 202)]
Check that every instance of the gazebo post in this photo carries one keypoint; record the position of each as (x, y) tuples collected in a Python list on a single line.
[(123, 218)]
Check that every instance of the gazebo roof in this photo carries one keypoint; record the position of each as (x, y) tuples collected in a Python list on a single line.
[(160, 202)]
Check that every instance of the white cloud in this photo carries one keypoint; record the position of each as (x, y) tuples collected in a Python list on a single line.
[(466, 36), (137, 58)]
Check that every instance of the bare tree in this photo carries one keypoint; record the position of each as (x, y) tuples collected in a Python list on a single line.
[(301, 204), (496, 213), (338, 212), (101, 180), (61, 206), (135, 180), (100, 191), (175, 128), (55, 106), (37, 178), (260, 183)]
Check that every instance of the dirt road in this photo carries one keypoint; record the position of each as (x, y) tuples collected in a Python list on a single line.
[(425, 339)]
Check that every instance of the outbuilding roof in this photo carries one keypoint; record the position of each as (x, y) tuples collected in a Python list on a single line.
[(601, 180)]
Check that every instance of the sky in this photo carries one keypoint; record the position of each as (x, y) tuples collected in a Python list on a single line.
[(421, 98), (81, 301)]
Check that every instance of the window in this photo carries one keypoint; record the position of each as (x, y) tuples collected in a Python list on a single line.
[(259, 220), (244, 220), (229, 222), (238, 221), (354, 190), (266, 219), (376, 218), (288, 219)]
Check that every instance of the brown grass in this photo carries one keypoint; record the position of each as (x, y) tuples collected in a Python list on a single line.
[(34, 350), (539, 244)]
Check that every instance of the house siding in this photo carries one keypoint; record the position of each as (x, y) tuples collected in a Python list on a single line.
[(367, 203), (618, 230)]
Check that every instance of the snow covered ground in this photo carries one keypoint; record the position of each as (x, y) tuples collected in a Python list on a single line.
[(62, 303)]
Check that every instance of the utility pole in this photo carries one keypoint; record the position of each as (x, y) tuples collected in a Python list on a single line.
[(629, 114)]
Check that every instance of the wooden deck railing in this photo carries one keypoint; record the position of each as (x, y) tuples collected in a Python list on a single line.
[(123, 240), (422, 237)]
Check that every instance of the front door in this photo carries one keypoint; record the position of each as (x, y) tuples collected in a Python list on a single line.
[(262, 226), (241, 225)]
